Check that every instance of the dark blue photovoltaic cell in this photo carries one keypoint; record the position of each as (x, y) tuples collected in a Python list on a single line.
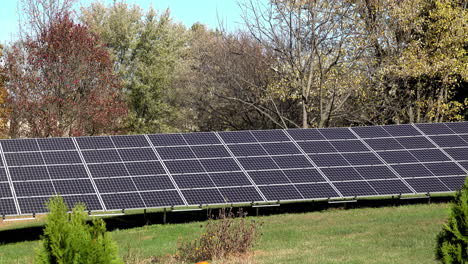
[(162, 198), (130, 141), (270, 135), (203, 196), (33, 205), (464, 137), (435, 129), (371, 132), (237, 137), (449, 141), (190, 181), (101, 156), (290, 162), (82, 186), (268, 177), (94, 142), (453, 183), (24, 158), (385, 187), (184, 166), (412, 170), (241, 194), (56, 144), (415, 142), (329, 160), (283, 148), (17, 145), (61, 157), (7, 207), (91, 201), (167, 140), (115, 185), (3, 176), (428, 155), (464, 165), (280, 192), (230, 179), (28, 173), (337, 133), (342, 174), (305, 134), (360, 188), (37, 188), (243, 150), (317, 190), (137, 154), (458, 127), (444, 169), (67, 172), (173, 153), (458, 153), (118, 201), (153, 183), (383, 144), (349, 146), (375, 172), (107, 170), (5, 190), (145, 168), (258, 163), (364, 158), (203, 138), (311, 147), (425, 185), (304, 175), (397, 157), (210, 151), (401, 130), (214, 165)]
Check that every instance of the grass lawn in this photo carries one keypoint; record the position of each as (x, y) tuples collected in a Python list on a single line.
[(404, 234)]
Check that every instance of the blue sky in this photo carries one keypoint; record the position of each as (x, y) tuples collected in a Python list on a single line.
[(185, 11)]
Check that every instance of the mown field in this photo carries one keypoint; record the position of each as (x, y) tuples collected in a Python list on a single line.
[(404, 234)]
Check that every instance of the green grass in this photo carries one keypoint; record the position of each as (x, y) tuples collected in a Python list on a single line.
[(403, 234)]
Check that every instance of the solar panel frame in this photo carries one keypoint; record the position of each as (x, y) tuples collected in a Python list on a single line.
[(449, 166)]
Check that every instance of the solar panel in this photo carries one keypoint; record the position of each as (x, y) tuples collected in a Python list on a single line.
[(210, 168)]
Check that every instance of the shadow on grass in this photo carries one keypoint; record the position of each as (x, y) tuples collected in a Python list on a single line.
[(138, 220)]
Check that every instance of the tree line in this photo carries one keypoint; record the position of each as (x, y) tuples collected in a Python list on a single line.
[(118, 68)]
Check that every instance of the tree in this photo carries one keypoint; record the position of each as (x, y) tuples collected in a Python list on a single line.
[(62, 84), (148, 50), (452, 241), (416, 68), (68, 238), (315, 51), (3, 96)]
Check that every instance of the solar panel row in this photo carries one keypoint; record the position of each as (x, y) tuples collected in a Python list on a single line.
[(163, 170)]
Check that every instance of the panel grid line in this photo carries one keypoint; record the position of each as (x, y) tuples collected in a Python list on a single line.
[(47, 169), (241, 167), (10, 182), (91, 178), (441, 149), (383, 161), (166, 170), (128, 172), (313, 163), (270, 156)]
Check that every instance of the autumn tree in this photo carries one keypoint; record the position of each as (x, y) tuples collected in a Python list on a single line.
[(148, 50), (3, 96), (315, 50), (61, 83)]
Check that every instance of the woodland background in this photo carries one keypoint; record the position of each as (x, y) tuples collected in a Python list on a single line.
[(121, 69)]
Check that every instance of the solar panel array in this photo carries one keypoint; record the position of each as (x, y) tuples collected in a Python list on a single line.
[(213, 168)]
